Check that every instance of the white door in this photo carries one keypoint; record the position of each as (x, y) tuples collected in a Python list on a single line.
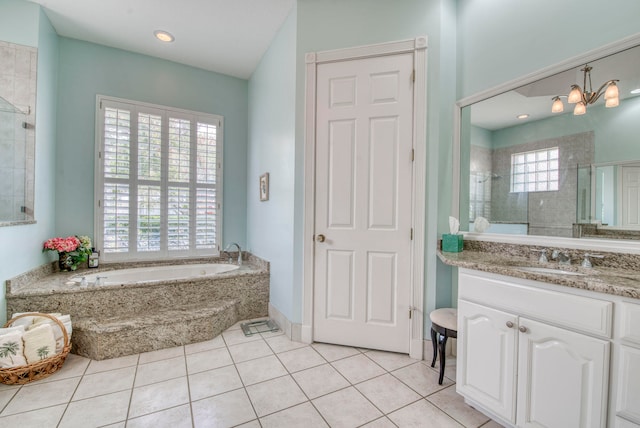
[(630, 196), (562, 377), (486, 362), (363, 215)]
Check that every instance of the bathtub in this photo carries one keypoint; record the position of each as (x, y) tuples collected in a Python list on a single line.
[(155, 273)]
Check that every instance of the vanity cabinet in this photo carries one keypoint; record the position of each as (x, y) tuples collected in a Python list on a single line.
[(627, 400), (532, 356)]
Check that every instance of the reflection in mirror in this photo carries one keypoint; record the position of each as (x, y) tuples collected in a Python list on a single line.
[(17, 132), (556, 174)]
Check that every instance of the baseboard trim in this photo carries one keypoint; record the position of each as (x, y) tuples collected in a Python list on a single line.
[(293, 331)]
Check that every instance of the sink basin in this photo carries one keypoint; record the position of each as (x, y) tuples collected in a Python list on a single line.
[(547, 270)]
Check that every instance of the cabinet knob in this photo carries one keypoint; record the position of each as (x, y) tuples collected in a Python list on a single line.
[(509, 324), (320, 238), (523, 329)]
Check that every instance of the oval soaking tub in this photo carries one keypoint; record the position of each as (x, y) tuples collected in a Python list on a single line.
[(155, 273)]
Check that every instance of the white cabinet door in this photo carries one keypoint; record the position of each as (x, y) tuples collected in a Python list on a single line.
[(628, 402), (562, 377), (486, 370)]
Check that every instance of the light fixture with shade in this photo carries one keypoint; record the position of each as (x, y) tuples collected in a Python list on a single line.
[(164, 36), (584, 96)]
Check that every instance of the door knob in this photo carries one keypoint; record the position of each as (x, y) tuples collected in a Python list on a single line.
[(509, 324), (320, 238), (523, 329)]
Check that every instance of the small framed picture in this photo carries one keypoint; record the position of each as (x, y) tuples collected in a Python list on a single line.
[(264, 187)]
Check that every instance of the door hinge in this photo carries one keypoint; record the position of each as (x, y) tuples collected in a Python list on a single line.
[(413, 155), (410, 312), (413, 76), (411, 234)]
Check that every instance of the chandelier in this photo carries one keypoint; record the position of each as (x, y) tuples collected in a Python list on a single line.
[(582, 97)]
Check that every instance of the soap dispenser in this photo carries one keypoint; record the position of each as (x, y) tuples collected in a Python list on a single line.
[(94, 259)]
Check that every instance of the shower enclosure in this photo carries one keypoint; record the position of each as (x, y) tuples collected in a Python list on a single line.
[(13, 165)]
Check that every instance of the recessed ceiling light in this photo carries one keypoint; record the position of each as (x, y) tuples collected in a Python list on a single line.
[(636, 91), (164, 36), (522, 116)]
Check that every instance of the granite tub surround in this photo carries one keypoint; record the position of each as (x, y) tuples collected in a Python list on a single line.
[(113, 321), (616, 274)]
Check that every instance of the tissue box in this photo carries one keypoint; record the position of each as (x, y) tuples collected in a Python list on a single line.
[(451, 243)]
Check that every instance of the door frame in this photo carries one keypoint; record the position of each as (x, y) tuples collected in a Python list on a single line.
[(418, 47)]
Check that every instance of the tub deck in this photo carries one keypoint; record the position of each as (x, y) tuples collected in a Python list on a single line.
[(114, 320)]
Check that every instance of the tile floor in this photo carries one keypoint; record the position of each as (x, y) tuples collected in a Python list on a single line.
[(259, 381)]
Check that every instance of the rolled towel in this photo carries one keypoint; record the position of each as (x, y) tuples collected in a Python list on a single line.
[(39, 343), (57, 332), (27, 321), (12, 350), (7, 330)]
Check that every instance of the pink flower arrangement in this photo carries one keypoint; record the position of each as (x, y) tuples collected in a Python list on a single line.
[(62, 245), (72, 250)]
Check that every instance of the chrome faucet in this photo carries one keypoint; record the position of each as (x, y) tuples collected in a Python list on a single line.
[(543, 255), (586, 262), (239, 251), (562, 256)]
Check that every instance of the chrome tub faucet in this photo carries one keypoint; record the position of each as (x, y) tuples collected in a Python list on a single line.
[(239, 251)]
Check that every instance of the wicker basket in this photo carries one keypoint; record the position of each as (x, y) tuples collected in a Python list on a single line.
[(43, 368)]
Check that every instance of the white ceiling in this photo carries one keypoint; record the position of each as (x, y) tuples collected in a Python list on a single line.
[(225, 36)]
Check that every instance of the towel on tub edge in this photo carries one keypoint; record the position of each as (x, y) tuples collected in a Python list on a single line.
[(12, 350), (39, 343)]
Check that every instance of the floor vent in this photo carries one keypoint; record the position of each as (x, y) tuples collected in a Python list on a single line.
[(260, 326)]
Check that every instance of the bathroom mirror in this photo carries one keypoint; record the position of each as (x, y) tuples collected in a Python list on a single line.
[(533, 172), (17, 133)]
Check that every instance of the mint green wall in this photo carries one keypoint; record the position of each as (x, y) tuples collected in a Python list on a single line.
[(500, 40), (87, 69), (271, 149), (25, 23), (616, 130)]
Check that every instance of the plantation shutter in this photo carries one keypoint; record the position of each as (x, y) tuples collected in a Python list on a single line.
[(160, 172)]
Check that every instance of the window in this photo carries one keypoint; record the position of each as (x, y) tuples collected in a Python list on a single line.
[(159, 179), (535, 171)]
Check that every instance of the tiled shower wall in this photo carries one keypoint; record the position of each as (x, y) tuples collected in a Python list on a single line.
[(548, 213), (18, 65), (480, 176)]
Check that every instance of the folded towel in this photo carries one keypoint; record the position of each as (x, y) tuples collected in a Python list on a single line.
[(57, 331), (18, 329), (39, 343), (11, 350)]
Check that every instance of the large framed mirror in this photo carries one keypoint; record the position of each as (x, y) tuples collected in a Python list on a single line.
[(564, 174)]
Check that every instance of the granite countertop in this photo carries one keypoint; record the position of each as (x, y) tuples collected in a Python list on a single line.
[(60, 282), (610, 280)]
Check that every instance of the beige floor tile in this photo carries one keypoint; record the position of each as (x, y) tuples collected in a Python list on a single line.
[(302, 415), (39, 395), (176, 417), (116, 425), (450, 402), (387, 393), (158, 396), (358, 368), (261, 369), (421, 414), (74, 365), (41, 418), (6, 395), (383, 422), (274, 395), (320, 380), (97, 411), (208, 360), (224, 410), (346, 408), (160, 370), (421, 379), (249, 351), (213, 382), (334, 352), (233, 337), (251, 424), (391, 361), (113, 363), (301, 359), (105, 383), (281, 343), (161, 354), (207, 345)]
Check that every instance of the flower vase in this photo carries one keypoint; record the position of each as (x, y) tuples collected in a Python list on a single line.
[(65, 261)]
